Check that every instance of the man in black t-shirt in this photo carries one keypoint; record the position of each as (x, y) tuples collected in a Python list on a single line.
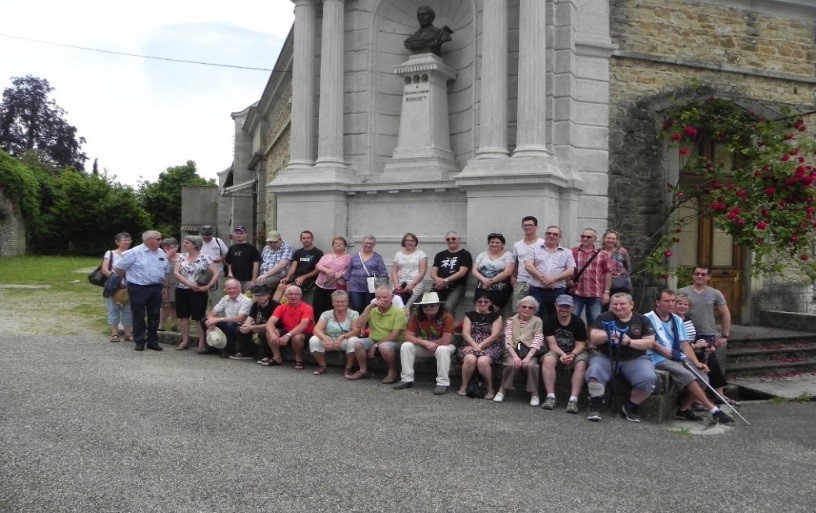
[(450, 271), (243, 259), (255, 323), (621, 338), (302, 271), (565, 335)]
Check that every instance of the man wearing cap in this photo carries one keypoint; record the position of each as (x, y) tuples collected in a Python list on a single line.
[(565, 334), (144, 267), (429, 334), (387, 323), (214, 248), (230, 311), (243, 259), (302, 271), (296, 324), (255, 324), (275, 259)]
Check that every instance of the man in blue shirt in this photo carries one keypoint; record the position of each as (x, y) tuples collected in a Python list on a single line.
[(670, 350), (144, 268)]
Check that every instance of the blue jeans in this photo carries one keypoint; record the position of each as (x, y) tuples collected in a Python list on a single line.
[(546, 300), (359, 300), (592, 304), (145, 300)]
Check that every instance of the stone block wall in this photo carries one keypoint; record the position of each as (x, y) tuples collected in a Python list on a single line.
[(12, 228), (760, 52)]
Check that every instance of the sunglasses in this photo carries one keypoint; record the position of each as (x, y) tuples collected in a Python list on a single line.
[(587, 236), (451, 239), (552, 234), (483, 301)]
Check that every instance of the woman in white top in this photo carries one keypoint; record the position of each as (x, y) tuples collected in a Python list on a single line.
[(118, 310), (492, 270), (408, 270)]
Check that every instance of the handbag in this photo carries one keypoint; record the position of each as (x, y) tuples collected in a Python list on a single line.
[(203, 277), (373, 281), (477, 387), (97, 277), (622, 280)]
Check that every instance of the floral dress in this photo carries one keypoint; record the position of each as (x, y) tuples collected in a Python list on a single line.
[(191, 269), (481, 326)]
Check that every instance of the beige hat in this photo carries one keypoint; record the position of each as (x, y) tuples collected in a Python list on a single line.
[(216, 338), (273, 236), (429, 298)]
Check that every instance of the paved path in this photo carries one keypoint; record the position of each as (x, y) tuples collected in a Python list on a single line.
[(90, 426)]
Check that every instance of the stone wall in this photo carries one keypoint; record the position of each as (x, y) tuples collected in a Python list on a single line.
[(671, 51), (12, 228)]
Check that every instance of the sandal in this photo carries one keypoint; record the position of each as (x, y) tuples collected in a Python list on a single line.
[(202, 350), (182, 347), (357, 375), (270, 362), (320, 370), (347, 371), (114, 338), (298, 365), (732, 402), (129, 338)]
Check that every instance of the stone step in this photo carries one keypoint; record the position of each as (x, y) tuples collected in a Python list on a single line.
[(772, 356), (772, 342), (777, 368)]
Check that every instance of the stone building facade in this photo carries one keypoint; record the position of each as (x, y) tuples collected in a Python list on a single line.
[(554, 111)]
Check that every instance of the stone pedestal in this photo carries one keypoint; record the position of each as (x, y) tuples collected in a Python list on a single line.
[(423, 150)]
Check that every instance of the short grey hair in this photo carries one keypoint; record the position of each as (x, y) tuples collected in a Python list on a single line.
[(339, 294), (530, 300), (195, 240)]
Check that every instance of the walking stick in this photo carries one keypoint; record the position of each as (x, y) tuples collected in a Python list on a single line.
[(721, 398), (613, 337)]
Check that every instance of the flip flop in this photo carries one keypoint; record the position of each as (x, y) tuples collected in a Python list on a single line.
[(320, 370), (298, 365), (114, 338)]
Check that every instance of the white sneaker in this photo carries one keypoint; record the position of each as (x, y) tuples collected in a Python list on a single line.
[(535, 401), (499, 397)]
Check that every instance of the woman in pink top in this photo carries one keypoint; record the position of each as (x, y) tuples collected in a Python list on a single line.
[(331, 269)]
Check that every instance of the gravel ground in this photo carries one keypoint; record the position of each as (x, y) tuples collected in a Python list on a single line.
[(90, 426)]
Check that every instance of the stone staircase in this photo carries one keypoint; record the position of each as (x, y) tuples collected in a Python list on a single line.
[(771, 356)]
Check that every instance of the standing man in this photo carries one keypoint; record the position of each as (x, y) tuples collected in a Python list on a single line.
[(302, 270), (621, 338), (565, 335), (522, 251), (275, 259), (243, 259), (669, 353), (550, 266), (450, 271), (703, 301), (592, 281), (214, 248), (144, 267)]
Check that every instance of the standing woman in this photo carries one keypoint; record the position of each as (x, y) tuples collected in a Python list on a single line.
[(408, 270), (621, 265), (481, 330), (191, 298), (365, 264), (331, 269), (492, 270), (170, 246), (118, 311)]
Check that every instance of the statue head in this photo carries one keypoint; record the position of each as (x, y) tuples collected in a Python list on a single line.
[(425, 16)]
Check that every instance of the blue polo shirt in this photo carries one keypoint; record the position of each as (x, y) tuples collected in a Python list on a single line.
[(142, 266)]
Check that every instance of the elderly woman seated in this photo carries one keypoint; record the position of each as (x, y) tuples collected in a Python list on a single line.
[(336, 329), (523, 339), (481, 330)]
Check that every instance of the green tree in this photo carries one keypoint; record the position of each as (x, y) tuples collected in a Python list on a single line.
[(87, 211), (162, 198), (20, 185), (30, 120)]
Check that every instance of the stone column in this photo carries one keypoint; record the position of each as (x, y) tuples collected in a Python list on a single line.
[(330, 123), (493, 117), (532, 80), (303, 85)]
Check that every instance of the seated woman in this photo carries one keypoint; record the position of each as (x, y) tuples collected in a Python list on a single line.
[(336, 329), (523, 339), (492, 269), (481, 330)]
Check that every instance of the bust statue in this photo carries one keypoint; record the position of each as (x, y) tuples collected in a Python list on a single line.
[(428, 38)]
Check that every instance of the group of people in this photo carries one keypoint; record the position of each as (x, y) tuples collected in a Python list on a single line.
[(355, 303)]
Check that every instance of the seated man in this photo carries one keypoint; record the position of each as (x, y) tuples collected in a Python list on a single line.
[(386, 322), (296, 323), (429, 333), (565, 334), (228, 314), (262, 309), (671, 350), (621, 338)]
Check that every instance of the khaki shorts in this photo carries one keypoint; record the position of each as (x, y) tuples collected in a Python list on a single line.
[(583, 356)]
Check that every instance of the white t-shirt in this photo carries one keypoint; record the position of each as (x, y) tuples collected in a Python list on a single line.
[(408, 265), (523, 252), (215, 249)]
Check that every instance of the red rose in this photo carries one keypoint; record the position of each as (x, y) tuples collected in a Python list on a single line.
[(668, 254), (675, 137), (683, 151), (761, 225), (804, 258), (690, 131), (770, 191)]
